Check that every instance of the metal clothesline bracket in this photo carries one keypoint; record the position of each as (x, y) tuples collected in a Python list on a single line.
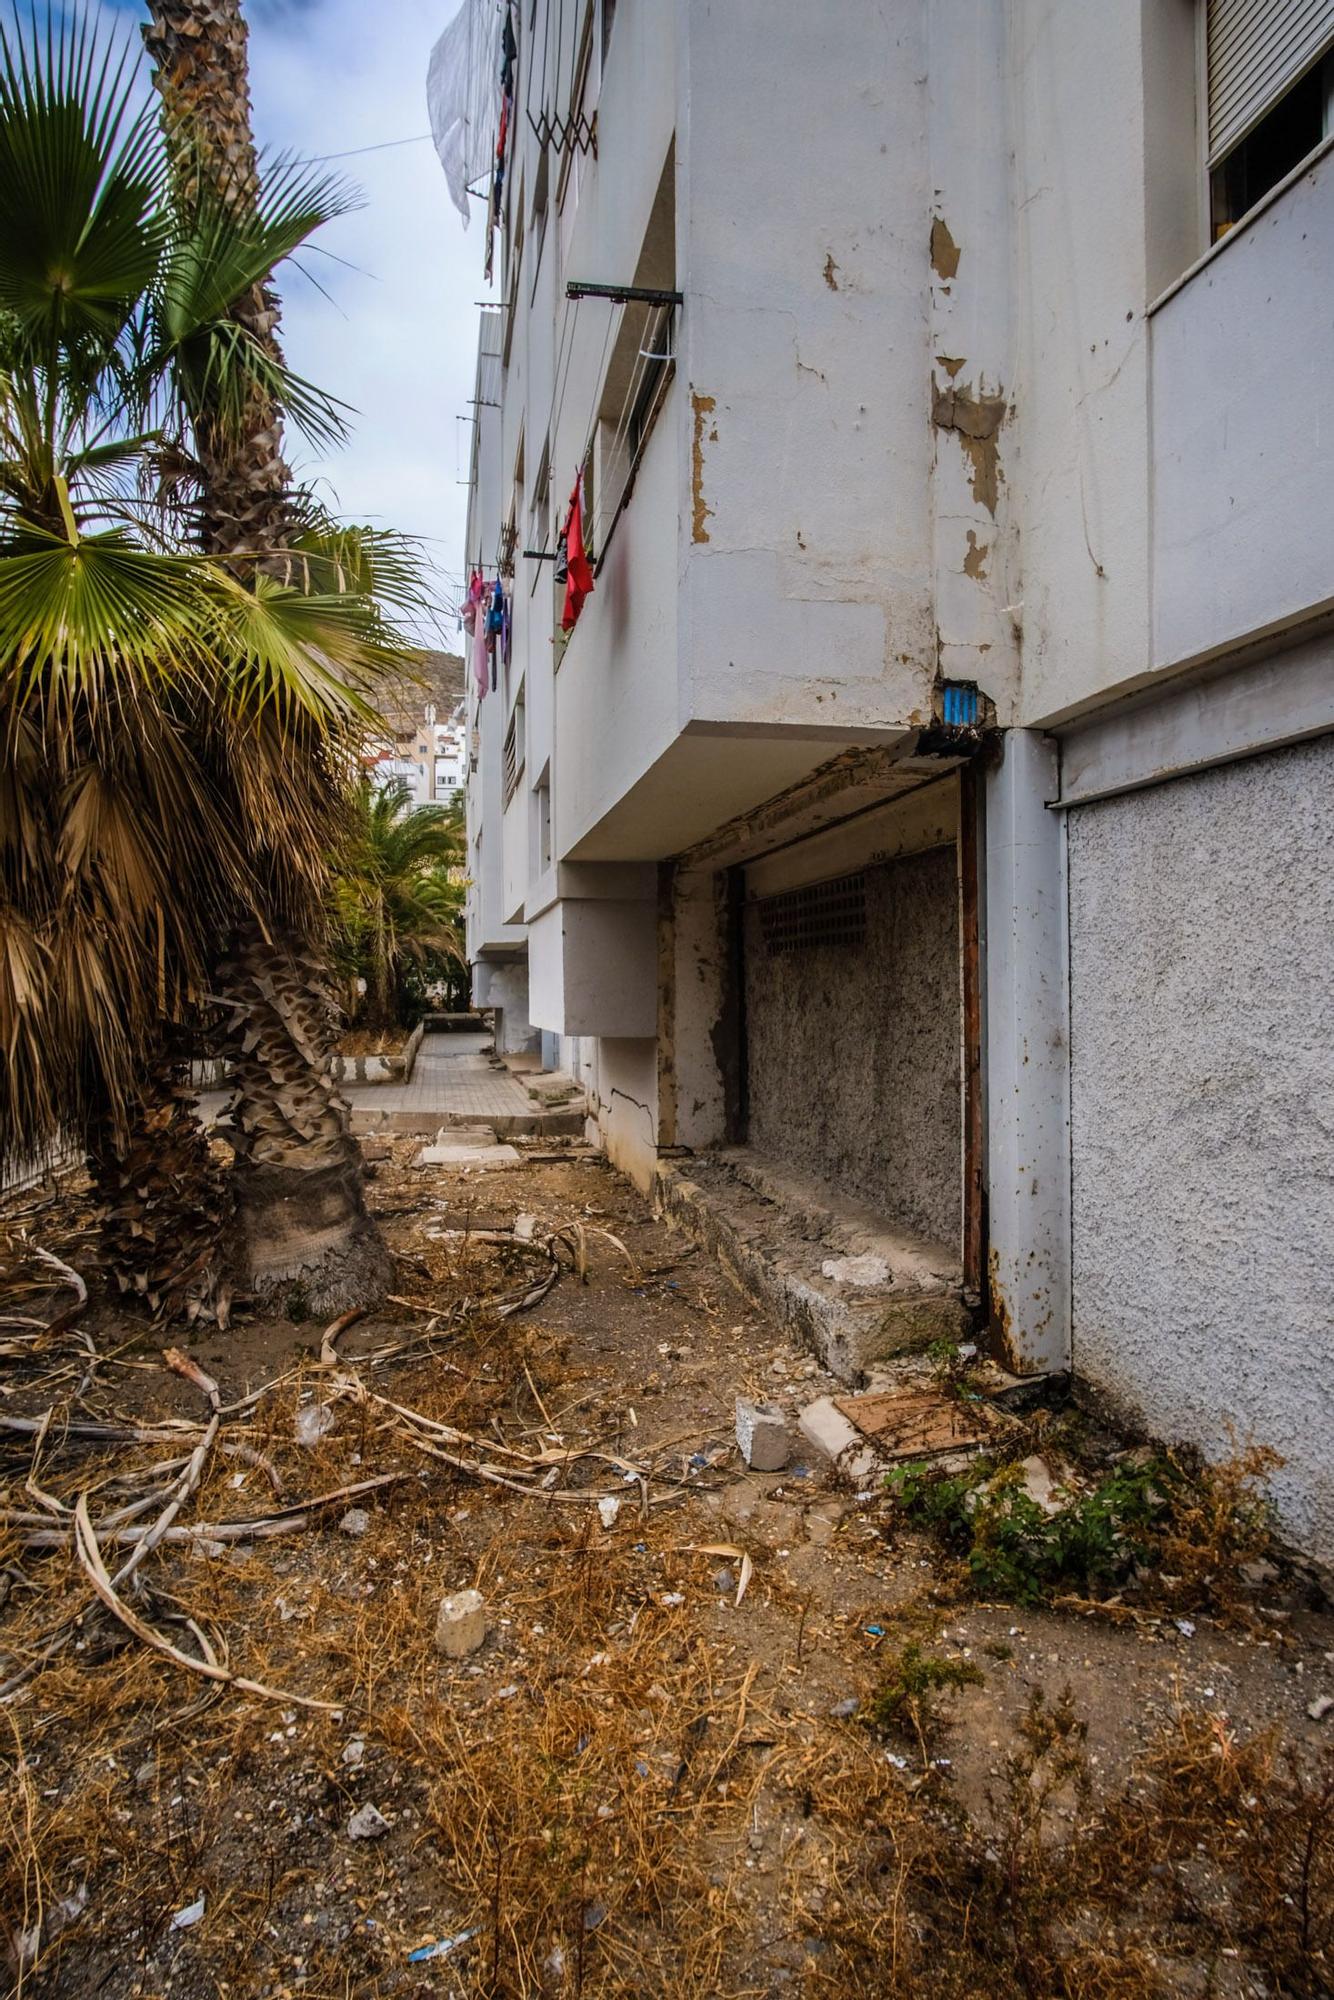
[(623, 294)]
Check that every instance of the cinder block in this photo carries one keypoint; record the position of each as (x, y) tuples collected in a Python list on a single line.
[(761, 1433)]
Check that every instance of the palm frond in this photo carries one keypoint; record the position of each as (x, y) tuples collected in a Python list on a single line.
[(81, 179)]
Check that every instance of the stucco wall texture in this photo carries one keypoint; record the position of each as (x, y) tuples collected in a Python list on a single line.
[(853, 1051), (1202, 974)]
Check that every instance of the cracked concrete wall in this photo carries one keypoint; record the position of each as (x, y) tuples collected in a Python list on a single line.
[(1202, 968), (854, 1051)]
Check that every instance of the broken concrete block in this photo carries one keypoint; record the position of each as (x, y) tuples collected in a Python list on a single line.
[(525, 1228), (824, 1426), (376, 1149), (368, 1823), (761, 1434), (355, 1521), (467, 1156), (868, 1269), (460, 1626)]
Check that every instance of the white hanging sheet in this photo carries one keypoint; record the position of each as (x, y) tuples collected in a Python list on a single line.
[(463, 97)]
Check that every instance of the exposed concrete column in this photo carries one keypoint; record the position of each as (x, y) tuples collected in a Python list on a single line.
[(1028, 1057), (698, 1048)]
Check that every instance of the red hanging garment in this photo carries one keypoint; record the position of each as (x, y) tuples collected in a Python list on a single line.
[(579, 576)]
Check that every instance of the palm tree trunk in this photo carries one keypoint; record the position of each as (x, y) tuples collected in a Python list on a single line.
[(300, 1230), (298, 1180), (161, 1200)]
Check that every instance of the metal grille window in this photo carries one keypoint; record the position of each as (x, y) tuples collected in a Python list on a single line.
[(824, 914)]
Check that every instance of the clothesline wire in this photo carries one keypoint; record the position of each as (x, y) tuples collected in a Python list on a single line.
[(637, 375), (353, 152), (569, 363)]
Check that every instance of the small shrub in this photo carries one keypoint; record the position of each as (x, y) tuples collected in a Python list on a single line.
[(916, 1682)]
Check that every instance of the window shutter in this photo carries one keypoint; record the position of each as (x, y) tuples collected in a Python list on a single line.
[(1256, 48)]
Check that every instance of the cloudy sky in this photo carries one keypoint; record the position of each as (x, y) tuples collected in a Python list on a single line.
[(396, 337)]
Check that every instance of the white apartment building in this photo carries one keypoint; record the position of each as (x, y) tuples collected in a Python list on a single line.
[(932, 802)]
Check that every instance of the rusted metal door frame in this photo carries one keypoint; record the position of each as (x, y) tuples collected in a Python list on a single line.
[(972, 1078)]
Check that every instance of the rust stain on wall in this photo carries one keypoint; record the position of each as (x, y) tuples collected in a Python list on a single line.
[(944, 249), (703, 408), (976, 420), (975, 561)]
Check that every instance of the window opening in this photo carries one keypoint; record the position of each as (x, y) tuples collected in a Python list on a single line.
[(1270, 97), (512, 757)]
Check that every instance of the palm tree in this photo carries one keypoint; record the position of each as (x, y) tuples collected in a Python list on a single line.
[(397, 893), (152, 702), (300, 1213)]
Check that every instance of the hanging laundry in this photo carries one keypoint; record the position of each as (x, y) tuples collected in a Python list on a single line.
[(579, 571), (495, 627), (474, 619), (509, 52)]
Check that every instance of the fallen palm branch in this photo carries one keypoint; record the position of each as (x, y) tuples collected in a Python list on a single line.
[(90, 1558)]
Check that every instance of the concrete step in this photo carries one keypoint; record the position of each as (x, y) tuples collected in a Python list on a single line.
[(849, 1286), (561, 1124)]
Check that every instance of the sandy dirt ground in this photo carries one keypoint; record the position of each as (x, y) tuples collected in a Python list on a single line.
[(659, 1773)]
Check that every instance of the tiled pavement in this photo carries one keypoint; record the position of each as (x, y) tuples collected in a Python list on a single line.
[(452, 1083), (450, 1075)]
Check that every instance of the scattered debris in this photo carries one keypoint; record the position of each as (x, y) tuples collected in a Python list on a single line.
[(314, 1421), (354, 1522), (1320, 1707), (609, 1507), (920, 1422), (460, 1626), (761, 1435), (442, 1947), (367, 1823), (187, 1918)]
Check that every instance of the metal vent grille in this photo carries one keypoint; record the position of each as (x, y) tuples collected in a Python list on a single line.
[(826, 913)]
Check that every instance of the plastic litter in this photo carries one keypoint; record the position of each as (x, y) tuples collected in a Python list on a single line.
[(442, 1947), (185, 1919), (609, 1507), (313, 1421)]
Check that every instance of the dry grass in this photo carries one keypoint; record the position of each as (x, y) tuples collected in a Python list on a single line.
[(619, 1795)]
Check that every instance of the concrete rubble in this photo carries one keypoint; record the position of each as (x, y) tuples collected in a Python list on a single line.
[(761, 1435), (460, 1625)]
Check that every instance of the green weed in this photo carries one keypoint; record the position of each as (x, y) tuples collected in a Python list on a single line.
[(1157, 1513)]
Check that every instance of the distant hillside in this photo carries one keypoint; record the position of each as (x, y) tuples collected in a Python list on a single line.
[(436, 678)]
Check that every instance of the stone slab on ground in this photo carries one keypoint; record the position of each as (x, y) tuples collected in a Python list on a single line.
[(468, 1156), (824, 1426)]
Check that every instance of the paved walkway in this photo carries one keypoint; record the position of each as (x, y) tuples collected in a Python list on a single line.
[(450, 1075)]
